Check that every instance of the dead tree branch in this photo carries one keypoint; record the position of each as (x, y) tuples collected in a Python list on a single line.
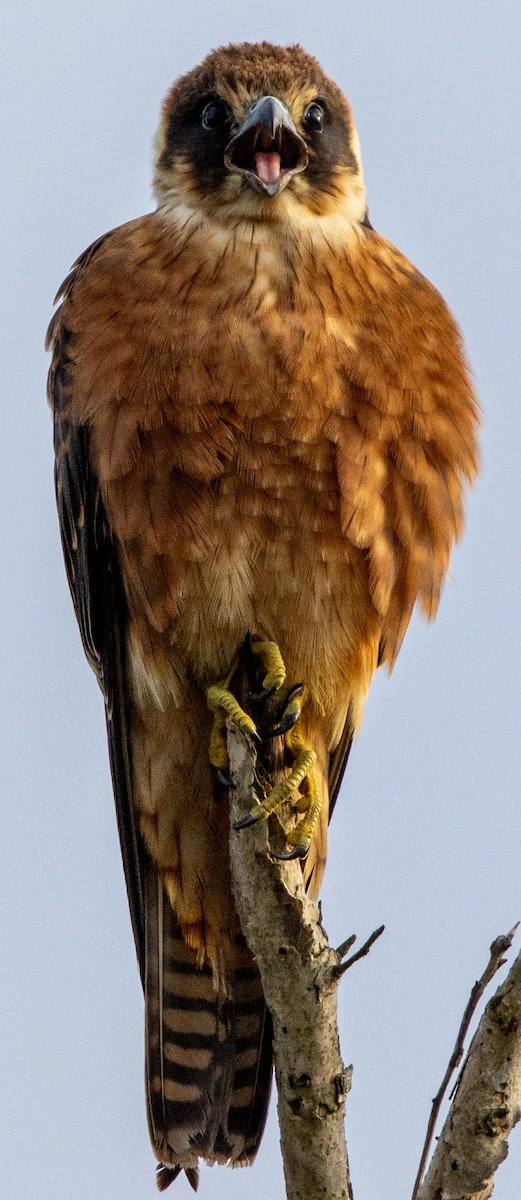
[(487, 1099), (283, 928), (361, 953), (300, 973), (498, 948)]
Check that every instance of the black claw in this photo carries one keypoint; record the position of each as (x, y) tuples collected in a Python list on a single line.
[(245, 822), (255, 737), (264, 694), (247, 646), (285, 724), (221, 777), (288, 719), (299, 851)]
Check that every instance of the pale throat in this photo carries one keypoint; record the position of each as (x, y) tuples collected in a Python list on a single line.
[(238, 229)]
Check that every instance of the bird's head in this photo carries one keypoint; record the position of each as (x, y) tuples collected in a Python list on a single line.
[(258, 132)]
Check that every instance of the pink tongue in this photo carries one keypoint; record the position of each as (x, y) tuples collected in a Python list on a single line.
[(267, 167)]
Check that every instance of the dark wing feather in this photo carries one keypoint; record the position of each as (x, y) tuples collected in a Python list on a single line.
[(227, 1079), (94, 577), (338, 763)]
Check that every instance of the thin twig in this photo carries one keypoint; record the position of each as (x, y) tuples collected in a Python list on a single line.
[(498, 948), (342, 949), (340, 970)]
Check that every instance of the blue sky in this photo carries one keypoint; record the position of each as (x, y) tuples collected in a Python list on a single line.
[(426, 837)]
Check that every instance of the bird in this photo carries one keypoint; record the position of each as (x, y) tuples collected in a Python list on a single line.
[(264, 427)]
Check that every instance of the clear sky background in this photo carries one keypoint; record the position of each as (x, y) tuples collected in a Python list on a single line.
[(426, 837)]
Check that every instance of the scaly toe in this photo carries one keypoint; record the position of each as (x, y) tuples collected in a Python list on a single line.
[(271, 658), (221, 700), (299, 840), (223, 705), (304, 764)]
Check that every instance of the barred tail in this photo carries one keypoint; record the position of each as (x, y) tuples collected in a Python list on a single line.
[(208, 1054)]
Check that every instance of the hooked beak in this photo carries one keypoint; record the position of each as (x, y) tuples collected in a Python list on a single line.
[(267, 150)]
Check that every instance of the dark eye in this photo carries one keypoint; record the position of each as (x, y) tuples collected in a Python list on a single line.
[(314, 117), (216, 114)]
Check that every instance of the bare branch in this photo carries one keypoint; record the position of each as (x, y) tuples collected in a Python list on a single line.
[(300, 973), (283, 928), (342, 949), (487, 1100), (498, 948), (341, 968)]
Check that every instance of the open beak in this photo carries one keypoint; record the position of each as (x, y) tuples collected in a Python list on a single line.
[(267, 150)]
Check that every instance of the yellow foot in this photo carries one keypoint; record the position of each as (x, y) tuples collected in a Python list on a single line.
[(222, 702), (300, 787), (273, 663), (309, 799)]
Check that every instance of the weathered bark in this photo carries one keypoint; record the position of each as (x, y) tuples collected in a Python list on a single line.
[(474, 1140), (299, 974)]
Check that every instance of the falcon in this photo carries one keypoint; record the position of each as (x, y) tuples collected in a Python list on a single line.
[(264, 425)]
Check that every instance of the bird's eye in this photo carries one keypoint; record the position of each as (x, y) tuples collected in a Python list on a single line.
[(216, 114), (314, 117)]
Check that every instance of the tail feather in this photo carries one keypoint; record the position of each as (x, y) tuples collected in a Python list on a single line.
[(166, 1175), (252, 1064), (208, 1051)]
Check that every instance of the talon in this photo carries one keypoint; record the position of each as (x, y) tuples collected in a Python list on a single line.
[(264, 694), (245, 822), (300, 785), (221, 777), (299, 851), (290, 711), (304, 763), (300, 838)]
